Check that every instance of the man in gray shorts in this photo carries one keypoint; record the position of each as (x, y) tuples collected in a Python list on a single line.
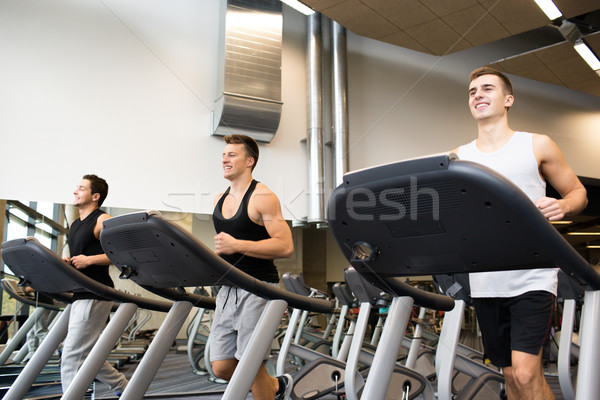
[(251, 233)]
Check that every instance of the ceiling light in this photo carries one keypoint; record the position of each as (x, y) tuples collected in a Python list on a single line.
[(587, 54), (299, 6), (561, 222), (584, 233), (593, 246), (549, 8)]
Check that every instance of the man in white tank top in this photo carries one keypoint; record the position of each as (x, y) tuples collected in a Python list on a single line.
[(514, 307)]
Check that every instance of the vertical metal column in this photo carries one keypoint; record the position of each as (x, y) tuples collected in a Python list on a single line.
[(21, 334), (588, 384), (156, 353), (316, 189), (354, 381), (95, 359), (445, 356), (259, 344), (340, 101), (564, 349), (34, 366), (386, 354), (287, 341)]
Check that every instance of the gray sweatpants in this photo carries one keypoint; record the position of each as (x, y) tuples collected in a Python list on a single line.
[(86, 322)]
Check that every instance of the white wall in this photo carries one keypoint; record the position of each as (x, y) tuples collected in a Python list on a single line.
[(125, 89), (405, 104)]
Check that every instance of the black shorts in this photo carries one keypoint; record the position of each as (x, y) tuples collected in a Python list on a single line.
[(520, 323)]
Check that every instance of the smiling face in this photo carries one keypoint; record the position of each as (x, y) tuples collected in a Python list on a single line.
[(83, 194), (488, 97), (236, 161)]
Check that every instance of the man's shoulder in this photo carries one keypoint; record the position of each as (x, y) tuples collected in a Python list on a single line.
[(461, 148), (102, 217), (263, 196), (542, 143), (261, 188), (218, 196), (540, 137)]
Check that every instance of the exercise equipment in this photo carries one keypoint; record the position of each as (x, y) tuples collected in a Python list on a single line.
[(160, 256), (323, 374), (14, 291), (305, 335), (444, 215), (572, 295), (44, 271)]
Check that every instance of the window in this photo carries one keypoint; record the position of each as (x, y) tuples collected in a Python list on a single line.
[(37, 219)]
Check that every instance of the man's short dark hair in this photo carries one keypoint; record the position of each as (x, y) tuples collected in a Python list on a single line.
[(249, 143), (506, 83), (98, 185)]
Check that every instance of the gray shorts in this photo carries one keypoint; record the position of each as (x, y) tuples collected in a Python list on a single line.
[(236, 315)]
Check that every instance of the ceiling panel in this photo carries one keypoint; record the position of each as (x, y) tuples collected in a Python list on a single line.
[(433, 20), (529, 66), (364, 20), (403, 13), (442, 27), (558, 64), (402, 39), (573, 8), (516, 16), (445, 8), (476, 25), (594, 42), (446, 41)]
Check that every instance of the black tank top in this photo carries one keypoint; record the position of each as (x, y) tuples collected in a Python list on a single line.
[(240, 226), (82, 241)]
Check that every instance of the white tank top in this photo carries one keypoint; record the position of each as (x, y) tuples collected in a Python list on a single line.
[(516, 161)]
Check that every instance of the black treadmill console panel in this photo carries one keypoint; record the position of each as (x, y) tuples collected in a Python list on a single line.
[(441, 215)]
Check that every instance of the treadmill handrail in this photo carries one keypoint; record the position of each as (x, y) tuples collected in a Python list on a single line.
[(35, 248), (291, 284), (210, 268), (398, 287), (8, 286)]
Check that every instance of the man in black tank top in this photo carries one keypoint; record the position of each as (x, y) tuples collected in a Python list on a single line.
[(251, 233), (89, 312)]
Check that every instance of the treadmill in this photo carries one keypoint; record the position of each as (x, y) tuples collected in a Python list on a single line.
[(160, 256), (44, 271), (441, 215)]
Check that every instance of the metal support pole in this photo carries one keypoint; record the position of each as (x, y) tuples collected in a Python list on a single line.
[(93, 361), (588, 384), (316, 175), (340, 100), (35, 365), (253, 357)]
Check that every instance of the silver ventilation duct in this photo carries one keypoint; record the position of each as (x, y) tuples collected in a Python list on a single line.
[(340, 101), (316, 184), (249, 92)]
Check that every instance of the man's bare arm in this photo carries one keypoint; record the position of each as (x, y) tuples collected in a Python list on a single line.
[(555, 169)]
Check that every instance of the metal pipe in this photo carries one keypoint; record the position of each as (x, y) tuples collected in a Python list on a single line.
[(316, 185), (339, 72)]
